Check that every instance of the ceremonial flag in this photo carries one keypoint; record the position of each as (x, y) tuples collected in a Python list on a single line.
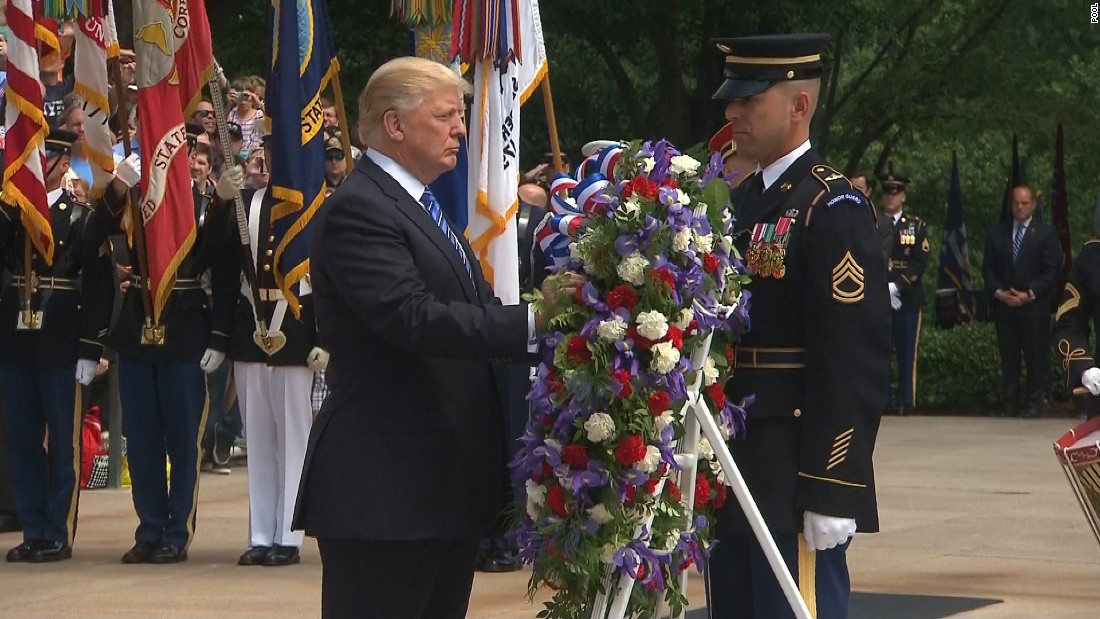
[(954, 254), (303, 62), (1059, 207), (510, 63), (429, 23), (25, 130), (1014, 179), (96, 42), (170, 38)]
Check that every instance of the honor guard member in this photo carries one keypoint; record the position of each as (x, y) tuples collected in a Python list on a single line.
[(907, 257), (1080, 304), (819, 348), (274, 357), (161, 375), (42, 345)]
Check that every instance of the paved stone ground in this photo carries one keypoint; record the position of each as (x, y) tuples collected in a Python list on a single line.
[(971, 507)]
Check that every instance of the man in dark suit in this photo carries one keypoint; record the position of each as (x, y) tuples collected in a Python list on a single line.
[(818, 352), (906, 245), (404, 463), (1022, 263)]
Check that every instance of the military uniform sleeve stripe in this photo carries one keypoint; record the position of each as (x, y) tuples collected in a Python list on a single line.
[(1070, 303), (840, 482)]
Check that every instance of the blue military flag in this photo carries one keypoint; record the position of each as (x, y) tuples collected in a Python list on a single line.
[(954, 254), (303, 61)]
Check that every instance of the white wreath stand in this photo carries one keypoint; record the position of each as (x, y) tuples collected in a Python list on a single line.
[(697, 418)]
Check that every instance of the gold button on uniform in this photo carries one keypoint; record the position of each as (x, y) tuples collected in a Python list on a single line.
[(267, 267), (798, 412), (268, 252)]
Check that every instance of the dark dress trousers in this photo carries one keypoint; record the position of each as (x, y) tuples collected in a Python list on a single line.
[(1025, 328), (404, 463)]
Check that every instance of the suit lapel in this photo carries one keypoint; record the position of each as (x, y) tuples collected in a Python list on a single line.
[(415, 212)]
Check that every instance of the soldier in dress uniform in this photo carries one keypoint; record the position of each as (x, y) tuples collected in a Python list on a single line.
[(1080, 305), (907, 255), (273, 366), (818, 351), (41, 348), (161, 379)]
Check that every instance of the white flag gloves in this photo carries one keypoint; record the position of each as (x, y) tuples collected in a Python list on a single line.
[(85, 371), (1090, 379), (211, 359), (895, 296), (825, 532), (230, 183), (317, 359), (128, 171)]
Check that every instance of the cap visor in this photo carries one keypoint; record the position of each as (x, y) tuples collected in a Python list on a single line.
[(739, 89)]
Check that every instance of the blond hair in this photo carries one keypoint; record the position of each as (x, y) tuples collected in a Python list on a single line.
[(401, 84)]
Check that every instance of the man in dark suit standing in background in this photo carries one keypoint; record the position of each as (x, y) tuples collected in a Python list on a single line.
[(404, 464), (1022, 262)]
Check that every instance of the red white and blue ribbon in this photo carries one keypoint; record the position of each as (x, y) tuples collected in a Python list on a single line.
[(573, 199)]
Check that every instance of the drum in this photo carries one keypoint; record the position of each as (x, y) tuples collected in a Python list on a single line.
[(1079, 453)]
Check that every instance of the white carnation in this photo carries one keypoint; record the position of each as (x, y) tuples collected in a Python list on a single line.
[(652, 325), (663, 420), (651, 460), (632, 269), (706, 452), (612, 330), (683, 164), (684, 320), (536, 497), (710, 372), (665, 357), (600, 427), (681, 241), (647, 164), (719, 472), (682, 198), (600, 514), (704, 243)]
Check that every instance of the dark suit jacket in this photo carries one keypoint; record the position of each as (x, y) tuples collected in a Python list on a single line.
[(1036, 270), (408, 442)]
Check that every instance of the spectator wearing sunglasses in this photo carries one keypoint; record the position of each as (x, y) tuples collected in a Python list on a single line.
[(336, 166)]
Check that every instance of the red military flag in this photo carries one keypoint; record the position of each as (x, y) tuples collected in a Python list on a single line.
[(167, 60), (26, 129)]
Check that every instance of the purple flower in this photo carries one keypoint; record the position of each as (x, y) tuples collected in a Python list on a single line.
[(626, 245)]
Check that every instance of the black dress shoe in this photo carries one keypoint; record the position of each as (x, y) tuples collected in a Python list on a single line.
[(22, 552), (283, 555), (9, 523), (49, 552), (140, 553), (168, 554), (254, 555)]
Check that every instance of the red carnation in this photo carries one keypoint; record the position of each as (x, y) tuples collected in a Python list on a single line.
[(673, 491), (714, 390), (693, 326), (642, 186), (555, 498), (630, 450), (577, 350), (670, 182), (674, 335), (651, 486), (702, 490), (623, 378), (719, 495), (622, 296), (710, 263), (666, 277), (643, 343), (631, 494), (658, 403), (547, 421), (575, 456)]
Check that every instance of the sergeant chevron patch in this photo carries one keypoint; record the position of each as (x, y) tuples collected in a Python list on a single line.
[(848, 280)]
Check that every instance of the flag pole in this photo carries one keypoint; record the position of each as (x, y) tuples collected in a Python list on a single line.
[(341, 113), (248, 263), (551, 122), (150, 333), (28, 282)]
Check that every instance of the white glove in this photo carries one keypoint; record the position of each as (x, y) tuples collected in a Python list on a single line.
[(317, 359), (895, 296), (85, 371), (211, 359), (1090, 379), (128, 171), (825, 532), (230, 183)]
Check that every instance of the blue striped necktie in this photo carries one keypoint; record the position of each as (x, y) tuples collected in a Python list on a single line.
[(435, 211), (1017, 239)]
